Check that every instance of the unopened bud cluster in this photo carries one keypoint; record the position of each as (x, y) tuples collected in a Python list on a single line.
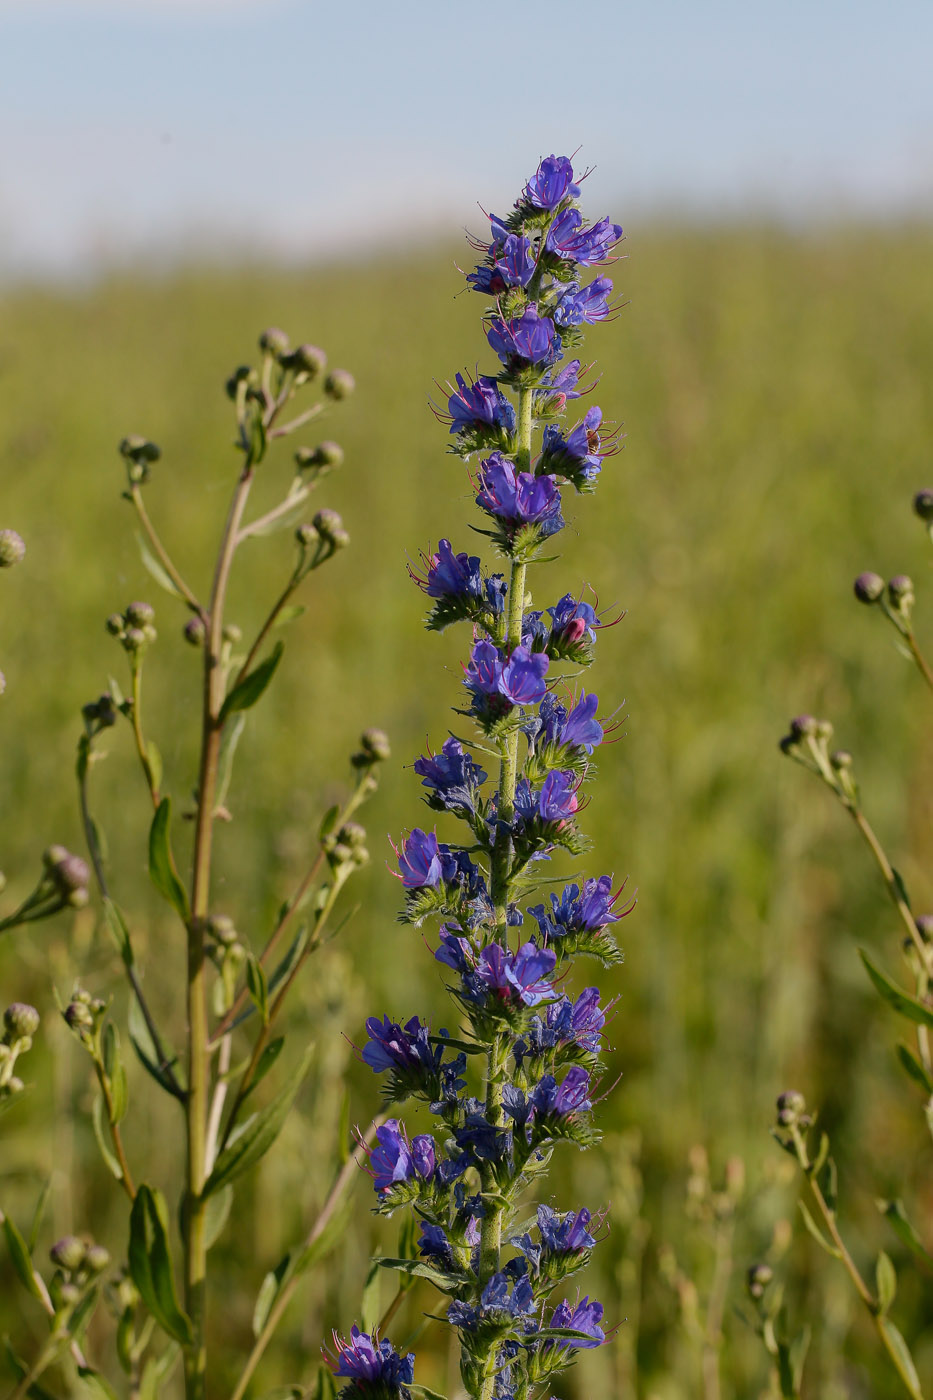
[(139, 454), (12, 549), (808, 743), (84, 1015), (20, 1023), (134, 628), (79, 1262)]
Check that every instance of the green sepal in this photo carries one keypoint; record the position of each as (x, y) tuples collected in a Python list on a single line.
[(251, 687), (253, 1138), (150, 1263), (162, 870)]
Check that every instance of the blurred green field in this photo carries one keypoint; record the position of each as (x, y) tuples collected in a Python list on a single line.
[(775, 392)]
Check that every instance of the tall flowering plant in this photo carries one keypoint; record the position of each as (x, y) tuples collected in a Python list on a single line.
[(507, 951)]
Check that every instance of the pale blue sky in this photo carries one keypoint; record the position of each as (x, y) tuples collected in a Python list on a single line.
[(298, 127)]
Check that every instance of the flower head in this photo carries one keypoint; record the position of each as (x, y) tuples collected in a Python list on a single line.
[(551, 183), (528, 340), (374, 1366)]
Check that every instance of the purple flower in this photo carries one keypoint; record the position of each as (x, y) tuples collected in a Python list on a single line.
[(511, 264), (519, 498), (419, 861), (395, 1159), (583, 304), (369, 1362), (576, 456), (564, 1234), (565, 1023), (571, 620), (522, 678), (391, 1047), (551, 1100), (480, 405), (496, 1302), (455, 950), (578, 727), (552, 183), (585, 1317), (574, 912), (557, 800), (484, 671), (587, 1020), (529, 340), (452, 775), (569, 239), (517, 976), (450, 575), (557, 387)]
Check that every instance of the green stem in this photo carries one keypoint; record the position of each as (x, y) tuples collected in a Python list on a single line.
[(161, 552), (197, 1103), (922, 664), (137, 723)]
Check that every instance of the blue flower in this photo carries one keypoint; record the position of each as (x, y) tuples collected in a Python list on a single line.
[(375, 1366), (391, 1047), (520, 976), (585, 1317), (551, 1100), (497, 1303), (452, 776), (511, 264), (572, 620), (419, 862), (481, 404), (565, 1022), (528, 340), (450, 575), (394, 1159), (519, 498), (564, 1234), (568, 238), (574, 911), (576, 456), (583, 304), (455, 951), (556, 387), (578, 727), (519, 680), (551, 183), (557, 800)]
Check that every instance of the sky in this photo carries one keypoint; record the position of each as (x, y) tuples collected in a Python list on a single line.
[(158, 129)]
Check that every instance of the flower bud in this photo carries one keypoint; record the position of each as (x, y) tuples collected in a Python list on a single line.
[(68, 1253), (759, 1276), (232, 634), (326, 454), (901, 592), (114, 624), (307, 361), (273, 342), (139, 449), (307, 536), (790, 1107), (329, 526), (69, 873), (68, 1294), (840, 760), (12, 549), (339, 384), (2, 682), (97, 1258), (134, 639), (868, 587), (78, 1016), (221, 928), (21, 1020), (140, 614), (352, 834), (375, 742), (194, 632), (804, 727), (925, 927), (240, 374), (923, 505)]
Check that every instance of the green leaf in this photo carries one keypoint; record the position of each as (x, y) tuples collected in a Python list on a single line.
[(914, 1068), (370, 1305), (416, 1268), (828, 1183), (817, 1233), (251, 687), (102, 1133), (38, 1213), (258, 986), (97, 1384), (265, 1062), (903, 1003), (162, 869), (905, 1361), (427, 1392), (119, 930), (325, 1387), (289, 614), (158, 1369), (885, 1281), (896, 1216), (258, 1134), (20, 1257), (216, 1215), (228, 746), (146, 1051), (328, 821), (150, 1263), (896, 874), (155, 764), (113, 1068), (297, 1262), (153, 567)]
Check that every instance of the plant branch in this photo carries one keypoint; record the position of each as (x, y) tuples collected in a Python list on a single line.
[(161, 553)]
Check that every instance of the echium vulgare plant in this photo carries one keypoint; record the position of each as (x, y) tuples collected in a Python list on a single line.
[(809, 743), (229, 1082), (537, 1049)]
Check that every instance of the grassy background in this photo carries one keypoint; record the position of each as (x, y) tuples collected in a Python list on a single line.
[(775, 395)]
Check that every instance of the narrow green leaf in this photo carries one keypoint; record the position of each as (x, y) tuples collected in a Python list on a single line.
[(145, 1049), (898, 879), (102, 1133), (150, 1263), (258, 986), (885, 1281), (416, 1268), (325, 1387), (343, 1135), (264, 1299), (817, 1233), (328, 821), (155, 764), (97, 1384), (828, 1182), (157, 1370), (20, 1257), (798, 1355), (902, 1002), (228, 747), (896, 1216), (914, 1068), (155, 569), (289, 614), (266, 1060), (427, 1392), (162, 869), (251, 687), (370, 1309), (258, 1135), (38, 1213), (905, 1361), (119, 930), (216, 1215), (113, 1068)]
